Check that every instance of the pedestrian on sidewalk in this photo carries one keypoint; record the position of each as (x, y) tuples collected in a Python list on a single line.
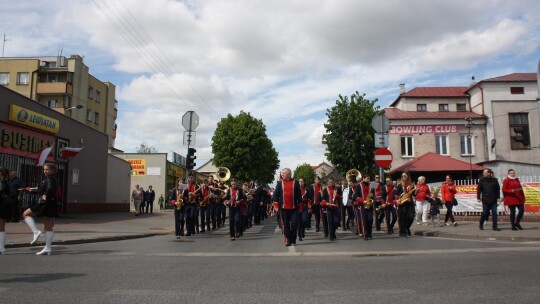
[(488, 193), (150, 196), (45, 207), (422, 205), (448, 193), (143, 202), (160, 202), (434, 208), (16, 196), (5, 205), (137, 197), (514, 197)]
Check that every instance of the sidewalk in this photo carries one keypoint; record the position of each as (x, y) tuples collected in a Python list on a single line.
[(95, 227), (99, 227)]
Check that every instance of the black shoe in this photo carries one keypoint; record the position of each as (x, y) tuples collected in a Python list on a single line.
[(317, 230), (481, 226), (300, 238), (233, 238), (326, 235), (409, 232), (288, 244), (514, 228), (496, 229), (203, 231), (519, 227), (365, 238)]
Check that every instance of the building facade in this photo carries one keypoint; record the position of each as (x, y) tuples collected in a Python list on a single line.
[(91, 181), (494, 123), (65, 85)]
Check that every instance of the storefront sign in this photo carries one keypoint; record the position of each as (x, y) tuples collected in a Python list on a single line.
[(425, 129), (33, 119), (20, 141), (138, 166)]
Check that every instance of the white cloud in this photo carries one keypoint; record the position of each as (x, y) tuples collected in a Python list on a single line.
[(282, 61)]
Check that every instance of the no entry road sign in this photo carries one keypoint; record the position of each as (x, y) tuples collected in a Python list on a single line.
[(383, 157)]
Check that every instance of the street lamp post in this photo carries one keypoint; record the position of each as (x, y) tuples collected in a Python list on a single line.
[(469, 124), (73, 108)]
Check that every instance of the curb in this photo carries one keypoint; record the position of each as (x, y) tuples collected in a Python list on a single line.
[(436, 234), (89, 240)]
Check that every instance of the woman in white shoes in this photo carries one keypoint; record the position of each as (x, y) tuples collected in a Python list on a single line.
[(45, 207), (5, 213)]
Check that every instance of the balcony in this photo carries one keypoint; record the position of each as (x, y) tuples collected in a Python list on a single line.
[(55, 88)]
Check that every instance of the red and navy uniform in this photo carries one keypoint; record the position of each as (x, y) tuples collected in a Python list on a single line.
[(303, 216), (364, 216), (179, 214), (235, 201), (288, 196), (379, 212), (389, 210), (330, 201), (315, 197)]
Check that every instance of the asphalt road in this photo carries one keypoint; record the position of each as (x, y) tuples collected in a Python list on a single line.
[(258, 268)]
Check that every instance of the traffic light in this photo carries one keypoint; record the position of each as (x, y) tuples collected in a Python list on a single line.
[(190, 159), (522, 135)]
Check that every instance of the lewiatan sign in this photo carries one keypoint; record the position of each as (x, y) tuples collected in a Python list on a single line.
[(32, 119)]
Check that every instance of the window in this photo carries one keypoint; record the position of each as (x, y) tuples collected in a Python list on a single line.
[(52, 77), (461, 107), (4, 79), (96, 118), (443, 107), (421, 107), (517, 90), (466, 143), (22, 78), (69, 77), (89, 115), (52, 103), (441, 144), (90, 92), (407, 146), (98, 95), (519, 131)]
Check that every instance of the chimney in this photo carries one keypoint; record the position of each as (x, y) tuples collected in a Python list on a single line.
[(473, 81), (401, 88)]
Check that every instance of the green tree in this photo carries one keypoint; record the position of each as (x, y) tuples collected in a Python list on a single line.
[(240, 143), (145, 148), (306, 172), (349, 135)]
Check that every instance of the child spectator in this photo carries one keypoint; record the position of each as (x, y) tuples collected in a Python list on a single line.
[(435, 203)]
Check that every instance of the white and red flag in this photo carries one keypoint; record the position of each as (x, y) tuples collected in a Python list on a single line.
[(42, 157), (69, 152)]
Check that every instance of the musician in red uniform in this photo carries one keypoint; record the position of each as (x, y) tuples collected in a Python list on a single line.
[(314, 196), (288, 196), (204, 206), (330, 202), (191, 206), (379, 212), (388, 205), (405, 204), (235, 201), (303, 209), (364, 206)]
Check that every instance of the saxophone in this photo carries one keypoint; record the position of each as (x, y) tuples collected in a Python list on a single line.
[(405, 197), (369, 203)]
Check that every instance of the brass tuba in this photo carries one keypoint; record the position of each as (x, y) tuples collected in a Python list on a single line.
[(223, 174), (353, 172)]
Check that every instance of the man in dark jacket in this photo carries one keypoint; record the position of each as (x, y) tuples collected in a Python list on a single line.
[(150, 196), (488, 193), (16, 196)]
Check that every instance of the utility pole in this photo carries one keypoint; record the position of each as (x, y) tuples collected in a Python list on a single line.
[(469, 125)]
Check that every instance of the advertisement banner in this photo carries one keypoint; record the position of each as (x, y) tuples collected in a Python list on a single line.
[(138, 166), (467, 202), (532, 197)]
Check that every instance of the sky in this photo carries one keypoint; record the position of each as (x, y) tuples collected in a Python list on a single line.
[(284, 61)]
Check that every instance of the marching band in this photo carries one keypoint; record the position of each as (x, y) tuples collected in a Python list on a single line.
[(353, 205)]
